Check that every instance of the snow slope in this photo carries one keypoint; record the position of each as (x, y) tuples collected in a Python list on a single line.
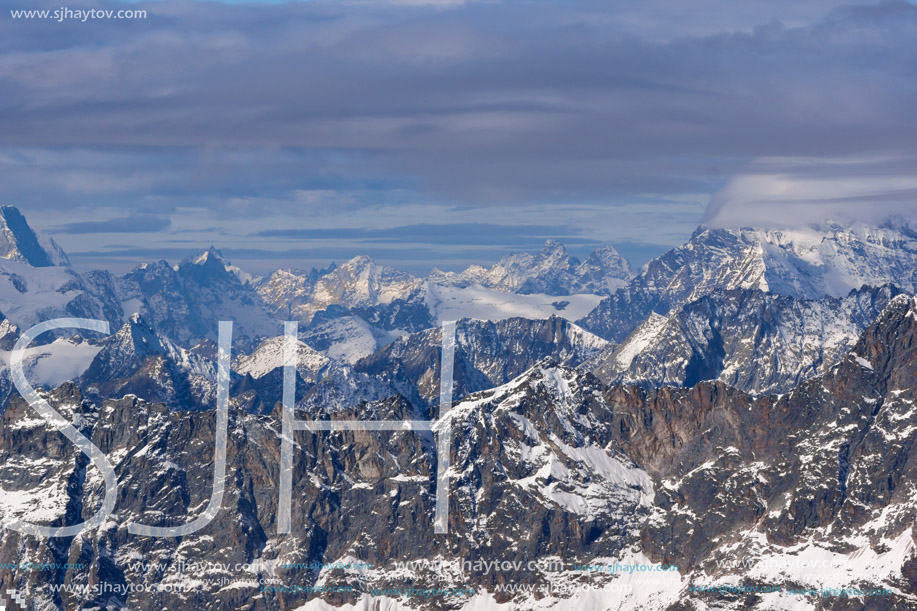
[(454, 303)]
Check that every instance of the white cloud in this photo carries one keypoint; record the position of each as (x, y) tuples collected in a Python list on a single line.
[(781, 192)]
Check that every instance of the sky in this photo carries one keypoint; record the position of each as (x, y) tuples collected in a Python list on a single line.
[(446, 133)]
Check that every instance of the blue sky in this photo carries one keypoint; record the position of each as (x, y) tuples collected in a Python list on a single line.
[(447, 133)]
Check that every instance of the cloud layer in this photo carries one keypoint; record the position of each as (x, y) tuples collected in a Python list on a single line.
[(306, 113), (782, 192)]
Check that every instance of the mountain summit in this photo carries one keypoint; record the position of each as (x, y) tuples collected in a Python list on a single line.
[(19, 242), (806, 263), (551, 271)]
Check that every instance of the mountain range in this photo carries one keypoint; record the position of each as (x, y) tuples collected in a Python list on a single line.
[(741, 409)]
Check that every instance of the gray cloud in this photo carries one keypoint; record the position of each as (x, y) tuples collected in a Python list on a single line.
[(140, 223), (301, 110), (494, 102), (479, 234)]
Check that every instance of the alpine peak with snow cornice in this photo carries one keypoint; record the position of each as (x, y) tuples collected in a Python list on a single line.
[(19, 242)]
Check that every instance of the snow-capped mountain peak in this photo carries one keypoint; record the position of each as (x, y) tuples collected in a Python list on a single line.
[(813, 262), (604, 269), (551, 271), (210, 254), (270, 355), (19, 242), (804, 263), (210, 261), (359, 282)]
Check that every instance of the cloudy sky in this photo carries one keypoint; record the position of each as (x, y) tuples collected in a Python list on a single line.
[(446, 132)]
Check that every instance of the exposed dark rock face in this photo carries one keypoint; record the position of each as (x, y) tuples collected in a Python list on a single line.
[(755, 341), (362, 495), (138, 361), (488, 354), (750, 481)]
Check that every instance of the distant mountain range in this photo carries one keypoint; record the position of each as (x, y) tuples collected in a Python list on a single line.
[(741, 408), (551, 271), (805, 264)]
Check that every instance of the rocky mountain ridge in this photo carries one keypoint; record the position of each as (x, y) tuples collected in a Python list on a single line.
[(552, 271), (755, 341), (822, 477), (804, 264)]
